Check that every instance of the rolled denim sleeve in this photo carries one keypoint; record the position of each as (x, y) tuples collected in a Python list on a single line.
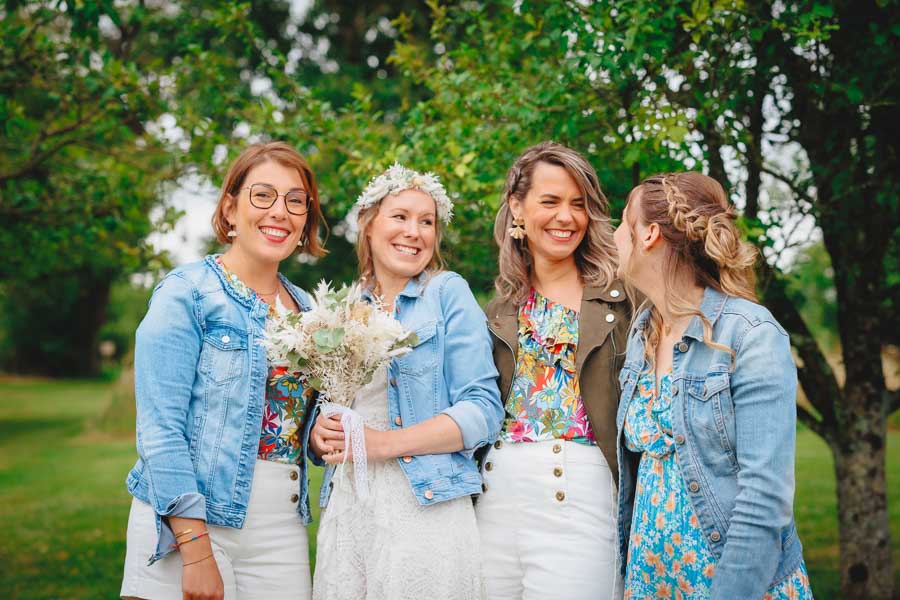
[(764, 393), (469, 371), (166, 356)]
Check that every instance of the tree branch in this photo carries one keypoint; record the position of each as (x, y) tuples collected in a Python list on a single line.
[(815, 374), (893, 401), (795, 189), (810, 420)]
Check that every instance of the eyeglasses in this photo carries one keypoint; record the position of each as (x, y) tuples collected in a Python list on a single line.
[(264, 196)]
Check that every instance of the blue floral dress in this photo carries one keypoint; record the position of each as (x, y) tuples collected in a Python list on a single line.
[(667, 553), (287, 402)]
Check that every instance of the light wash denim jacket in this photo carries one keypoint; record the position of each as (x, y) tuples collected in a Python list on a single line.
[(735, 432), (200, 384), (451, 371)]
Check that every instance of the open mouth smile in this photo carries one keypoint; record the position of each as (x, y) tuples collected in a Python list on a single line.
[(408, 250)]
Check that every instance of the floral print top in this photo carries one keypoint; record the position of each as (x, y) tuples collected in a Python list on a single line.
[(545, 402), (667, 553), (286, 404)]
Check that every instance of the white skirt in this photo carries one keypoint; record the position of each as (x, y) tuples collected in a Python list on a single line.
[(547, 521), (268, 558)]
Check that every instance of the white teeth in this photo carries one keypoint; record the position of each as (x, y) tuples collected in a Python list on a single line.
[(563, 235), (407, 250), (279, 233)]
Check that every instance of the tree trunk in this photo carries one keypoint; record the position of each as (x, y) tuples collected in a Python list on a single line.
[(867, 571)]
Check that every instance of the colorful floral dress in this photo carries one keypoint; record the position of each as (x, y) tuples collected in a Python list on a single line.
[(545, 401), (667, 553), (287, 402)]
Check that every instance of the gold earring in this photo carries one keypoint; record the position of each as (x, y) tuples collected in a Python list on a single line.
[(517, 231)]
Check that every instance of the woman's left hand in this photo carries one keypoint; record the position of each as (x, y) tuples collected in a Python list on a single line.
[(375, 448)]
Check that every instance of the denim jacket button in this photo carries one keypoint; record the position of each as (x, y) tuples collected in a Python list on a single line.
[(398, 420), (393, 382), (428, 494), (407, 459), (225, 339), (694, 487), (682, 347), (679, 439), (674, 390), (714, 536)]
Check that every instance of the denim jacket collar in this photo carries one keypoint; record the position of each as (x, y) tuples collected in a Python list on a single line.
[(711, 307), (299, 296), (413, 288)]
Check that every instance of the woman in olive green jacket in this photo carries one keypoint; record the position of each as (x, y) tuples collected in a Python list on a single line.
[(547, 516)]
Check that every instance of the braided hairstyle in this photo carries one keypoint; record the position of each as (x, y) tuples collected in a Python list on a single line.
[(697, 223)]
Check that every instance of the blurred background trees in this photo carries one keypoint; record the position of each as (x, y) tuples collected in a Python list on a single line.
[(107, 108)]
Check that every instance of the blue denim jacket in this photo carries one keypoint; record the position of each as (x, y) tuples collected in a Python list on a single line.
[(200, 384), (451, 371), (735, 432)]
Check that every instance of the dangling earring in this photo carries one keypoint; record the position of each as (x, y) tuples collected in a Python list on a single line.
[(517, 231), (232, 233), (301, 241)]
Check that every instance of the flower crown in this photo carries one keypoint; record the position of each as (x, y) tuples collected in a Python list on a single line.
[(398, 178)]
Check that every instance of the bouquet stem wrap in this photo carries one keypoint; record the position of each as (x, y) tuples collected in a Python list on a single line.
[(355, 438)]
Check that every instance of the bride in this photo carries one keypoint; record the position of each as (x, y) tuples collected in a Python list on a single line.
[(414, 534)]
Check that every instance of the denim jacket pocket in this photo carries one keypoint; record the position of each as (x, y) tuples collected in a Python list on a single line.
[(423, 356), (712, 411), (224, 347)]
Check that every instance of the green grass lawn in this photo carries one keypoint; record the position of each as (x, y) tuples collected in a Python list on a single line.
[(63, 504)]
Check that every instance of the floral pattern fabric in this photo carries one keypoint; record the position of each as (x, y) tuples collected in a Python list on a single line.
[(287, 401), (545, 400), (667, 553)]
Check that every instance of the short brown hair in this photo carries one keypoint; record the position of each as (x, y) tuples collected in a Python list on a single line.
[(287, 156)]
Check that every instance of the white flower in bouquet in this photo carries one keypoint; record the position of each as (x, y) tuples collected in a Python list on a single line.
[(339, 345)]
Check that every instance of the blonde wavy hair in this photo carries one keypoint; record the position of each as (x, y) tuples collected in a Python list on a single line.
[(595, 256), (697, 223)]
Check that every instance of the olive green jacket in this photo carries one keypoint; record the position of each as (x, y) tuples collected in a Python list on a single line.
[(603, 323)]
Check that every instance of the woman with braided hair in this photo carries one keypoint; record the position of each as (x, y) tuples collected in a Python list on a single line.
[(707, 419)]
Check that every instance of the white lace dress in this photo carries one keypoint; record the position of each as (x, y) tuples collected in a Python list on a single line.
[(388, 546)]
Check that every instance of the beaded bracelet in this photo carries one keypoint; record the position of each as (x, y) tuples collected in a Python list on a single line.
[(196, 537)]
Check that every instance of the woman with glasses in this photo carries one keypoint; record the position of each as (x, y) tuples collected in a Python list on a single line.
[(220, 487)]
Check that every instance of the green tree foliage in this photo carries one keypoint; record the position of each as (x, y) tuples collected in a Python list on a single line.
[(90, 151)]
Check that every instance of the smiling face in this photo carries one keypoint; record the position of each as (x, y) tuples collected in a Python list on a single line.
[(271, 234), (402, 235), (554, 213)]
